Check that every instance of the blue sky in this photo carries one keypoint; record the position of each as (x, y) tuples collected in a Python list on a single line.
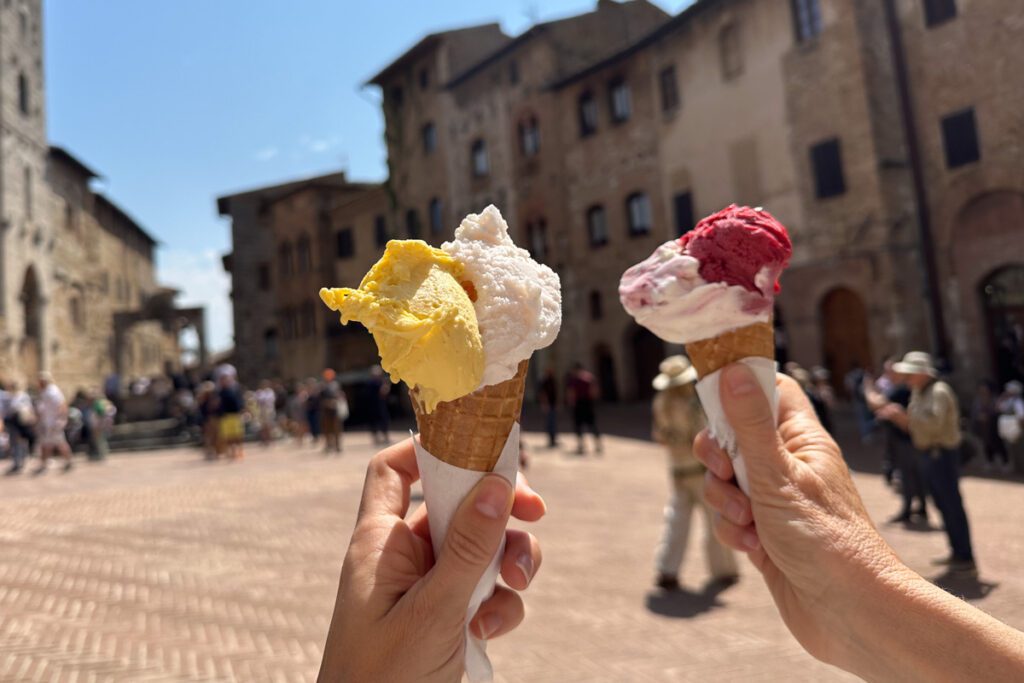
[(177, 101)]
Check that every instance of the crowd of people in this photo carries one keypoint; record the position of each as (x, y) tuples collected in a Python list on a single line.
[(42, 422)]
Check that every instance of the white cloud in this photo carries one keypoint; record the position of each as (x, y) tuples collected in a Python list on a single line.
[(265, 154), (318, 145), (202, 281)]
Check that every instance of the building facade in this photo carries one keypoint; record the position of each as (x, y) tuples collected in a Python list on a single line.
[(71, 260)]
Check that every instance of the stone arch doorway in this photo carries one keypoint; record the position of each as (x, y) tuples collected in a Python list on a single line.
[(845, 340), (604, 368), (31, 350), (648, 351), (1002, 299)]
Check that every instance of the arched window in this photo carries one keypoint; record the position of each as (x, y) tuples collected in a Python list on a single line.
[(730, 51), (412, 224), (597, 226), (638, 212), (588, 114), (23, 97), (304, 255), (529, 136), (28, 193), (478, 158), (270, 344), (434, 211), (537, 239), (596, 305), (285, 264)]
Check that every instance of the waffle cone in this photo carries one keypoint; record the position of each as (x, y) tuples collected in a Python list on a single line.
[(470, 432), (709, 355)]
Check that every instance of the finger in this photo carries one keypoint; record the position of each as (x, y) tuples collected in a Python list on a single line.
[(418, 522), (714, 458), (498, 615), (389, 476), (521, 560), (473, 537), (727, 500), (749, 413), (742, 538), (528, 505)]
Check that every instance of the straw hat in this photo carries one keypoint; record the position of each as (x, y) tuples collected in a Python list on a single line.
[(916, 363), (676, 371)]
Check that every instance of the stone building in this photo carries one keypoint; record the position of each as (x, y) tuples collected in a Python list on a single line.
[(289, 240), (71, 260), (795, 106)]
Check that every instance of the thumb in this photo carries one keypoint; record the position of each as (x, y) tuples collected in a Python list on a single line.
[(473, 537), (749, 412)]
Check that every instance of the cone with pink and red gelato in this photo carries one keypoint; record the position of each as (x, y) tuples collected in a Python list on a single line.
[(714, 290)]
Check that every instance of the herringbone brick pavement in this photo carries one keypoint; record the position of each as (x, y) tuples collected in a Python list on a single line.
[(167, 568)]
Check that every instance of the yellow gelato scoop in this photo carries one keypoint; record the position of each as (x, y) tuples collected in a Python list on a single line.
[(421, 318)]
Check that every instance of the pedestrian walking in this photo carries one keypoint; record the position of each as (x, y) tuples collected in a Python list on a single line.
[(298, 423), (678, 418), (933, 420), (231, 428), (208, 406), (549, 403), (52, 410), (581, 392), (19, 421), (985, 425), (313, 410), (823, 395), (378, 387), (266, 408), (1010, 423), (333, 411), (901, 458)]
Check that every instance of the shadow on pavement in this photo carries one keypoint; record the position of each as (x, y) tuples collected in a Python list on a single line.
[(965, 587), (918, 525), (685, 604)]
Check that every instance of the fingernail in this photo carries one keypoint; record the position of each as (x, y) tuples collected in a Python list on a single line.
[(492, 496), (489, 625), (751, 541), (525, 564), (739, 380), (734, 511)]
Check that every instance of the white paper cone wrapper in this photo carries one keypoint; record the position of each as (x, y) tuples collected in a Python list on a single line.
[(444, 489), (710, 398)]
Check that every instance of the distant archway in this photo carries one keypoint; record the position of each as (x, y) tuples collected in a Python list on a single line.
[(845, 338), (1002, 299), (31, 350), (648, 351)]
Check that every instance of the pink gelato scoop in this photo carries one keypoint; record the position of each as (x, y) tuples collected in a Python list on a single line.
[(734, 244), (721, 276)]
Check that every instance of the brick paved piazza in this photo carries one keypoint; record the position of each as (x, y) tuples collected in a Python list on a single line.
[(159, 567)]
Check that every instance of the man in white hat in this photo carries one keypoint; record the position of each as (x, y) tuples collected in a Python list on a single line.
[(678, 418), (53, 418), (933, 420)]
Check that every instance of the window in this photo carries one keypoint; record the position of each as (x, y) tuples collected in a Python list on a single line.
[(434, 213), (806, 19), (28, 193), (939, 11), (618, 93), (588, 114), (669, 89), (827, 163), (23, 23), (529, 137), (513, 72), (77, 314), (730, 51), (424, 78), (23, 102), (478, 158), (597, 226), (380, 231), (284, 260), (263, 277), (638, 210), (346, 243), (270, 344), (537, 239), (308, 319), (304, 256), (429, 138), (69, 216), (596, 306), (682, 207), (397, 96), (412, 224), (960, 138)]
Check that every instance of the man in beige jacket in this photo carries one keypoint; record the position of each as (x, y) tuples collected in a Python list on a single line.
[(678, 418), (933, 420)]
